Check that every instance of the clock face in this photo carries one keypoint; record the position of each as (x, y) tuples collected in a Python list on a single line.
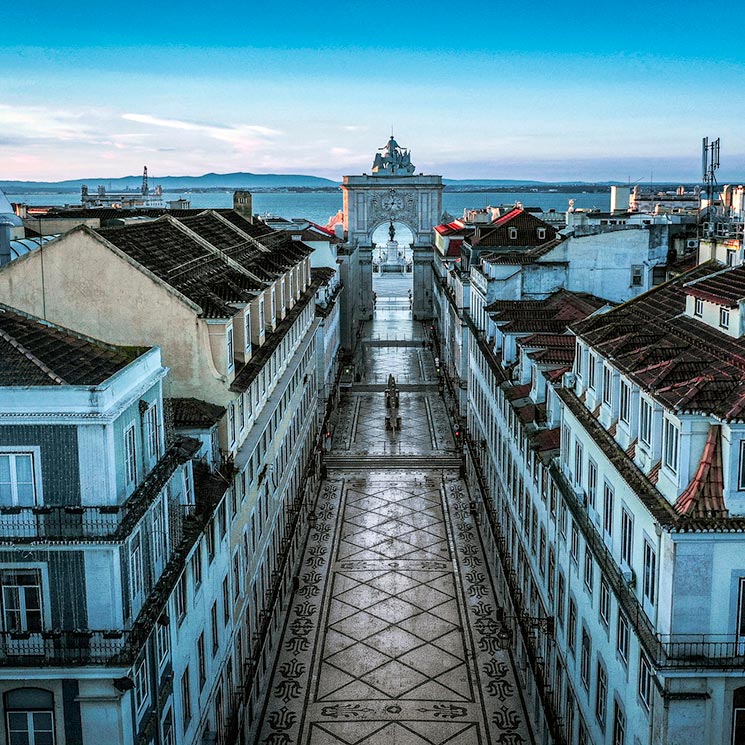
[(393, 202)]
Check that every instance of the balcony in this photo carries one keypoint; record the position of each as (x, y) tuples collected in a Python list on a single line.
[(722, 651), (98, 522), (54, 647)]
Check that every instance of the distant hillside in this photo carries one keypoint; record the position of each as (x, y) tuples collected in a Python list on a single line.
[(173, 183)]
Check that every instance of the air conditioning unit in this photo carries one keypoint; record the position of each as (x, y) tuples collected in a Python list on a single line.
[(568, 380), (629, 577), (692, 243)]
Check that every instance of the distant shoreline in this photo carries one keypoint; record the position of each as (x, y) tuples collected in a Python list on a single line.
[(472, 188)]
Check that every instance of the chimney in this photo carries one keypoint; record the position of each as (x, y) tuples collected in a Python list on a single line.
[(243, 204)]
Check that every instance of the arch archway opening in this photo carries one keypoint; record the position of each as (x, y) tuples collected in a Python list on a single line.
[(392, 264)]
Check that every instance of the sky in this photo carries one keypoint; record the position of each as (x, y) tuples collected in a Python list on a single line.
[(542, 90)]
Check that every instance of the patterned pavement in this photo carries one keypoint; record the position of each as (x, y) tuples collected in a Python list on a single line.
[(391, 637)]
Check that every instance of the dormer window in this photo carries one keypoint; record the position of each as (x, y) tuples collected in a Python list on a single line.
[(724, 318), (512, 232), (230, 348), (698, 308), (541, 234)]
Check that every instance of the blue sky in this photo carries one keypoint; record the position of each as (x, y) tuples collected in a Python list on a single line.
[(544, 90)]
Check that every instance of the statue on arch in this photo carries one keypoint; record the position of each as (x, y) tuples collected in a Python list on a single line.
[(393, 160)]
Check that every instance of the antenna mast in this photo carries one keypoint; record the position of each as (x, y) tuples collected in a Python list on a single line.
[(710, 165)]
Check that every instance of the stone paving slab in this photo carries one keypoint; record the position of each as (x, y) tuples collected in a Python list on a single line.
[(392, 638)]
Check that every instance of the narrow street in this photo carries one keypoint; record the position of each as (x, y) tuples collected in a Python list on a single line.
[(391, 638)]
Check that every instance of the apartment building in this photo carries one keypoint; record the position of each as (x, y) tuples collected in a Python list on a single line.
[(100, 512), (603, 449), (250, 333)]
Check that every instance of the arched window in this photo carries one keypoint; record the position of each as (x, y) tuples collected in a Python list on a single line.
[(29, 716)]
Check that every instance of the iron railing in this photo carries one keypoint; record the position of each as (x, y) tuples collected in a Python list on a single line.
[(57, 647)]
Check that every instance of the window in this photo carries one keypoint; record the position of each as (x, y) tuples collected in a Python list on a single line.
[(645, 421), (162, 640), (574, 546), (741, 608), (17, 480), (584, 665), (29, 716), (572, 626), (601, 695), (168, 737), (624, 403), (215, 629), (201, 661), (608, 509), (247, 329), (231, 423), (512, 233), (210, 541), (229, 349), (604, 602), (261, 316), (21, 600), (592, 482), (196, 567), (627, 536), (142, 691), (136, 580), (188, 485), (670, 448), (619, 725), (740, 473), (724, 318), (180, 597), (607, 386), (622, 638), (578, 459), (591, 370), (236, 576), (185, 699), (698, 308), (541, 234), (645, 681), (151, 427), (130, 455), (650, 572), (637, 275), (159, 538), (226, 600), (560, 598), (589, 567)]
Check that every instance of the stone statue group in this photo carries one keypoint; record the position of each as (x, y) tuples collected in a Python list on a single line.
[(393, 159)]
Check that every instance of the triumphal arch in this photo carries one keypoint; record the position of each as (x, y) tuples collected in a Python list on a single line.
[(393, 193)]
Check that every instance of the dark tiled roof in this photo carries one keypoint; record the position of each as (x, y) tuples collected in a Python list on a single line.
[(181, 261), (684, 363), (194, 413), (34, 352), (726, 287), (496, 235)]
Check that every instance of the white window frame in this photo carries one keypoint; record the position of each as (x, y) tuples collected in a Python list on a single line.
[(152, 425), (142, 683), (130, 455), (247, 329), (607, 386), (136, 566), (637, 275), (627, 536), (646, 417), (623, 638), (724, 315), (23, 611), (35, 453), (649, 579), (698, 307), (230, 348), (162, 641), (645, 681), (624, 405), (671, 445)]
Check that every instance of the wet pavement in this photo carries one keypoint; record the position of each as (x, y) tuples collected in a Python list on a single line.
[(391, 637)]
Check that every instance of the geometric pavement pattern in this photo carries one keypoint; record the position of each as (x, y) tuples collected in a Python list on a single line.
[(391, 635), (391, 639)]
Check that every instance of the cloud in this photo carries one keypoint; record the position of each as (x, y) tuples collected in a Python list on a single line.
[(213, 129)]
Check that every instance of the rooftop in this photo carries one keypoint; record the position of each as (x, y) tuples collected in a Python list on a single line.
[(687, 365), (194, 413), (34, 352)]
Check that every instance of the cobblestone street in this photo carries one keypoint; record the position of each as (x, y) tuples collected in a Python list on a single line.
[(391, 637)]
